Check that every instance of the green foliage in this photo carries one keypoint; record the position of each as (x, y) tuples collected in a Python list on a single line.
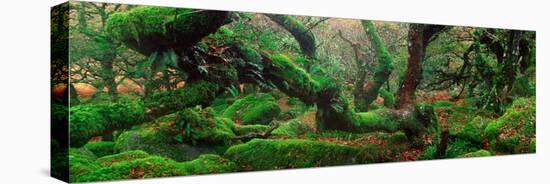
[(260, 108), (513, 131), (233, 91), (429, 153), (259, 154), (442, 103), (101, 148)]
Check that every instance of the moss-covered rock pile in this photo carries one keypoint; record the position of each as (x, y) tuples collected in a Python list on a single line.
[(259, 154)]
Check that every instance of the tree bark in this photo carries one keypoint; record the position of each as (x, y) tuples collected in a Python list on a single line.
[(420, 36)]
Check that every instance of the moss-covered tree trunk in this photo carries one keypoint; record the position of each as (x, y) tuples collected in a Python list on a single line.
[(334, 112), (206, 76), (384, 63)]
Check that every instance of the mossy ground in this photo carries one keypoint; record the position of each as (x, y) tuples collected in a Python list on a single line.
[(139, 164)]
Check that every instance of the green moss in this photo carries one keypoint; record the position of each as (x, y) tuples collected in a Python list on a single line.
[(293, 80), (389, 99), (196, 93), (138, 165), (291, 128), (121, 157), (384, 65), (87, 121), (101, 148), (207, 164), (247, 129), (259, 154), (513, 131), (472, 131), (260, 108), (81, 162), (479, 153), (429, 153), (459, 147), (147, 167), (148, 29), (154, 140), (375, 120), (201, 126), (147, 135)]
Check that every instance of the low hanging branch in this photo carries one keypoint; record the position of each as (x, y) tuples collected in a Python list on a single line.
[(305, 38)]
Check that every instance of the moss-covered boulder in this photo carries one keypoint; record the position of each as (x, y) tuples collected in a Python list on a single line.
[(81, 162), (148, 167), (260, 108), (101, 148), (144, 135), (479, 153), (121, 157), (134, 165), (154, 140), (207, 164), (292, 128), (458, 147), (201, 126), (472, 131), (513, 131), (87, 121), (150, 29), (265, 154)]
